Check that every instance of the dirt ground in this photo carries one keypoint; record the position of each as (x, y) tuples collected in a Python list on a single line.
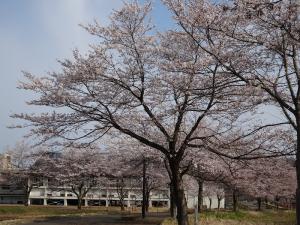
[(154, 219)]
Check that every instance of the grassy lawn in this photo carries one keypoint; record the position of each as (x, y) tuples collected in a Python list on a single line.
[(8, 212), (243, 218)]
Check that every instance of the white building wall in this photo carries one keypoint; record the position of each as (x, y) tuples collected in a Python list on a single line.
[(214, 204), (44, 193), (193, 200), (63, 194)]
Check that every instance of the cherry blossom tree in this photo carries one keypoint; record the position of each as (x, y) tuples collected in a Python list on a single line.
[(134, 83), (27, 165), (271, 179), (124, 182), (119, 172), (207, 168), (154, 88), (261, 179), (77, 170), (156, 178), (209, 192), (153, 173), (219, 191), (205, 179), (258, 43), (140, 162), (123, 186)]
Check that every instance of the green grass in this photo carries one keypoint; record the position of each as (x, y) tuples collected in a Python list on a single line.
[(269, 217), (20, 211)]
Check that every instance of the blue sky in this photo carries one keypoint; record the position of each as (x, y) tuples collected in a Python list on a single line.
[(34, 34)]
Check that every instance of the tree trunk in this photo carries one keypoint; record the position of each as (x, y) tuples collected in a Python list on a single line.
[(235, 200), (298, 171), (259, 204), (181, 204), (79, 202), (219, 203), (78, 191), (179, 196), (144, 190), (200, 195), (121, 192), (27, 187), (147, 200), (27, 193), (277, 202), (210, 201), (172, 202), (26, 199), (266, 202), (122, 205)]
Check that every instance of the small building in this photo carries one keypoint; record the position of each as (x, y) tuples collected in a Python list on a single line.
[(47, 192), (5, 162)]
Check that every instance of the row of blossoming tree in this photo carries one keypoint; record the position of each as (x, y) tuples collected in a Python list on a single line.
[(196, 89), (80, 170)]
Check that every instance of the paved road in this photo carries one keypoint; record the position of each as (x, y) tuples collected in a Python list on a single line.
[(98, 220)]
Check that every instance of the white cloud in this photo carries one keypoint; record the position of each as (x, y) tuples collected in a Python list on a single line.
[(60, 19), (46, 31)]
